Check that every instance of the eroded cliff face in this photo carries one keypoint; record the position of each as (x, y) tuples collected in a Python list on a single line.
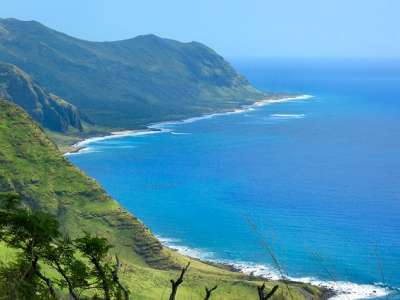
[(47, 109)]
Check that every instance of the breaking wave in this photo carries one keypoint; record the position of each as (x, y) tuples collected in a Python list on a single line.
[(343, 290)]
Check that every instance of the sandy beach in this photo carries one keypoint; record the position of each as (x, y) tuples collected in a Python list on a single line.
[(157, 127)]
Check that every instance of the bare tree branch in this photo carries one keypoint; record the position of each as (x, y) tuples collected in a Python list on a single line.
[(115, 278), (209, 292), (175, 284), (261, 292)]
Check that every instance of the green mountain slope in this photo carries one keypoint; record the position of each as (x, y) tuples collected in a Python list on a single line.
[(31, 165), (47, 109), (127, 83)]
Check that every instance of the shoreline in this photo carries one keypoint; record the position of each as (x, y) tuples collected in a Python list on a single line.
[(153, 128), (336, 290), (333, 290)]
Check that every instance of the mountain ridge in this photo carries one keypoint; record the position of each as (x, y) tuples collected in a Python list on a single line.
[(128, 83)]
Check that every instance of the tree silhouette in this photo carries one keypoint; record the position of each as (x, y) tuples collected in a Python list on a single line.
[(61, 256), (96, 250), (122, 290), (261, 292), (176, 283), (37, 238), (31, 233), (209, 292)]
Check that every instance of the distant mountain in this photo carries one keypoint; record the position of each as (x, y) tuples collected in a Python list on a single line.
[(47, 109), (129, 83)]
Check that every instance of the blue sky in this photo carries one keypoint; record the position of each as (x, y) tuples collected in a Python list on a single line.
[(235, 28)]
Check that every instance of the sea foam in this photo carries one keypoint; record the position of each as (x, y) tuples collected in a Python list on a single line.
[(118, 135), (287, 116), (246, 108), (344, 290), (162, 127), (180, 133), (85, 150)]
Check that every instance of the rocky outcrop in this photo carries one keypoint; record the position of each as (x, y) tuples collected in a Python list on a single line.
[(47, 109)]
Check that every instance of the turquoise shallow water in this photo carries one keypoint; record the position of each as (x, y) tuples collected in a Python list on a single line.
[(317, 181)]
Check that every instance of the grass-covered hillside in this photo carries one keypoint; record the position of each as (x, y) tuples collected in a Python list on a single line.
[(129, 83), (50, 111), (31, 165)]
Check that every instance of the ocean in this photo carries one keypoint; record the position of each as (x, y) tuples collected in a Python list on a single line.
[(306, 188)]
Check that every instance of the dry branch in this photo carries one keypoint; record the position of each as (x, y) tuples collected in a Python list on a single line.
[(175, 283)]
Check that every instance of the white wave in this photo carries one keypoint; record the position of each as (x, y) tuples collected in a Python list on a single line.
[(210, 116), (167, 241), (95, 139), (247, 108), (302, 97), (84, 144), (180, 133), (253, 269), (344, 290), (124, 147), (191, 252), (162, 127), (119, 135), (281, 100), (85, 150), (288, 116)]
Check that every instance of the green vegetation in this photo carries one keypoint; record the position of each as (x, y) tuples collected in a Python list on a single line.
[(47, 109), (82, 269), (36, 237), (126, 84), (32, 166)]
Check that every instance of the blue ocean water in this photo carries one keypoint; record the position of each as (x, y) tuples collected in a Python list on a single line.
[(315, 181)]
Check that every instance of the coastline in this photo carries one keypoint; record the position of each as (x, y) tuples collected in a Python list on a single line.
[(333, 290), (337, 290), (82, 145)]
